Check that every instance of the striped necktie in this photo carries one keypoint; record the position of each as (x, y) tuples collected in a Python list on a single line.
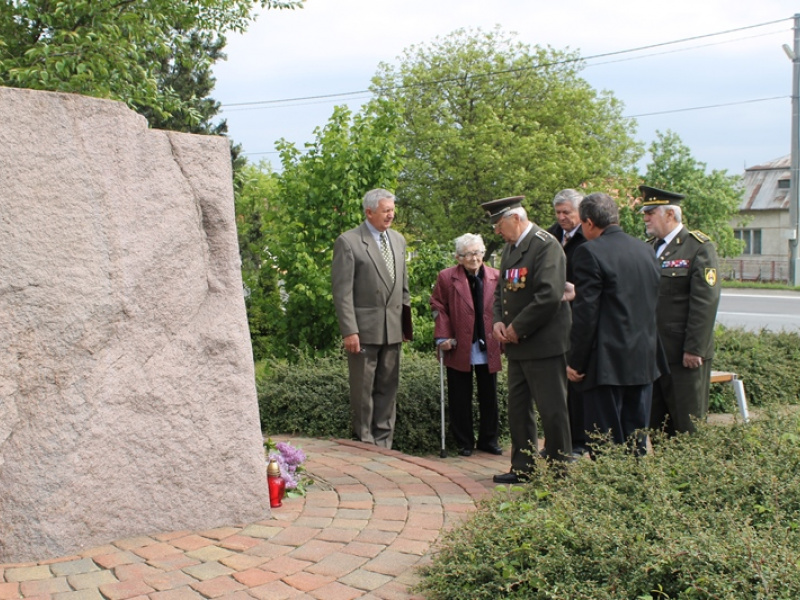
[(387, 254)]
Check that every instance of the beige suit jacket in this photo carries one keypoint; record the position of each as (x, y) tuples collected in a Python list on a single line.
[(367, 301)]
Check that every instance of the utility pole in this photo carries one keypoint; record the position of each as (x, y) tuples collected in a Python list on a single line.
[(794, 183)]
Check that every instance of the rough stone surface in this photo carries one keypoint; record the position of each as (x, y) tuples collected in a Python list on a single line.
[(127, 396)]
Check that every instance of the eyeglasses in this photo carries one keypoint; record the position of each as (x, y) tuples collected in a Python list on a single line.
[(471, 254), (497, 224)]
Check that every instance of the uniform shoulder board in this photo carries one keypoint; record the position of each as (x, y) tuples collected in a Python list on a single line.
[(700, 236), (544, 236)]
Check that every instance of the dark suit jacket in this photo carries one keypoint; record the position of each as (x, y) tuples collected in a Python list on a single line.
[(688, 296), (539, 317), (614, 338), (367, 302), (452, 301), (570, 248)]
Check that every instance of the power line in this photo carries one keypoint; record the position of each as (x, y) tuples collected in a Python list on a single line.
[(354, 96), (678, 110), (321, 97), (687, 49), (651, 114)]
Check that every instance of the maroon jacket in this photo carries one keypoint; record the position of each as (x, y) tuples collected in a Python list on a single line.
[(452, 298)]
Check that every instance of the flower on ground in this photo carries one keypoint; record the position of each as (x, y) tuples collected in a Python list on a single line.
[(290, 460)]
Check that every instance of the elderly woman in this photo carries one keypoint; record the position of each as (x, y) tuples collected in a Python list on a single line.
[(462, 307)]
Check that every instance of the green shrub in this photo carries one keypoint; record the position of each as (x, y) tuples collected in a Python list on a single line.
[(766, 362), (712, 515), (307, 397), (311, 397)]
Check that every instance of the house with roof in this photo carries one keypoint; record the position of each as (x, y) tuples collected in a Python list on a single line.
[(762, 224)]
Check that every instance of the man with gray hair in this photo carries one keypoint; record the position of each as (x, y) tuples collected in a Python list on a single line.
[(370, 288), (687, 311), (613, 355), (567, 230), (533, 322)]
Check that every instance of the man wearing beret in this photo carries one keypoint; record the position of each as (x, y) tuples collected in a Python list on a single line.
[(687, 310), (533, 321)]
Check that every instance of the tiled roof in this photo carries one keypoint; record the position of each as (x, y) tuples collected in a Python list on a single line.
[(761, 187)]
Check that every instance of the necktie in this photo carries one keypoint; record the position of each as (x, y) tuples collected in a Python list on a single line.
[(387, 254), (659, 243), (565, 239)]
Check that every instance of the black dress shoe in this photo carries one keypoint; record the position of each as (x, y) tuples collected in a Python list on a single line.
[(510, 477), (491, 449), (465, 451)]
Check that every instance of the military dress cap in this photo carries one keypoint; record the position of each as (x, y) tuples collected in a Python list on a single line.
[(654, 197), (496, 209)]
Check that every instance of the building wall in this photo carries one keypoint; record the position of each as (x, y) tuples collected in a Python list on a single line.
[(763, 223), (767, 260)]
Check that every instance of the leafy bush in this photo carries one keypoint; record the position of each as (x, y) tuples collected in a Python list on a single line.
[(428, 259), (312, 398), (766, 362), (712, 515)]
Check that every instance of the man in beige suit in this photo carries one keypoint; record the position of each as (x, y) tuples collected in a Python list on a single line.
[(370, 287)]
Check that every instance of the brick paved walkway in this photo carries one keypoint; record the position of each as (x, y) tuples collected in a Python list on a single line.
[(370, 519)]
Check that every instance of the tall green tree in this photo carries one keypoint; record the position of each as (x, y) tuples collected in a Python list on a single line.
[(319, 197), (256, 188), (485, 116), (712, 198), (128, 50), (190, 78)]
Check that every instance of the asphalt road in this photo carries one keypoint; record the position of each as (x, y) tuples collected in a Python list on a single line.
[(754, 310)]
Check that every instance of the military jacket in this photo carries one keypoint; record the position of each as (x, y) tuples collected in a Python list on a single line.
[(688, 295), (532, 278)]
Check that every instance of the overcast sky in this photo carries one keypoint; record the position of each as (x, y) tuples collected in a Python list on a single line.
[(335, 46)]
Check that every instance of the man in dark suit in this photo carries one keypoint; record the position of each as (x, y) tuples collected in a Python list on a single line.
[(532, 321), (370, 287), (687, 311), (567, 230), (614, 340)]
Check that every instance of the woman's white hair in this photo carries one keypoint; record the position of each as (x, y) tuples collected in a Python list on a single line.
[(463, 242)]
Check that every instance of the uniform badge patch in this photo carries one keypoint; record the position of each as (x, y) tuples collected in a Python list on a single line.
[(711, 277)]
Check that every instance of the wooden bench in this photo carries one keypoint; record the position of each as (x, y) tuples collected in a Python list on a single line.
[(738, 389)]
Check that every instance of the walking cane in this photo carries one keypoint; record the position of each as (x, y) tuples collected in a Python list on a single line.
[(443, 452)]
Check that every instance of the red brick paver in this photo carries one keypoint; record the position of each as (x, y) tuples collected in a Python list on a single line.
[(372, 517)]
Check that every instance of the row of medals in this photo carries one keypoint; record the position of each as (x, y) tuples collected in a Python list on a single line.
[(514, 285)]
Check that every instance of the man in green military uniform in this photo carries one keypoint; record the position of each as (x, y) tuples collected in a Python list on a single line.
[(533, 322), (687, 310)]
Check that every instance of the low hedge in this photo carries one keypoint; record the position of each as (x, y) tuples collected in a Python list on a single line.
[(311, 397), (767, 362), (712, 515)]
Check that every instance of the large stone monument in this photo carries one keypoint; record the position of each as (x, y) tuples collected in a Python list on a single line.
[(127, 395)]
